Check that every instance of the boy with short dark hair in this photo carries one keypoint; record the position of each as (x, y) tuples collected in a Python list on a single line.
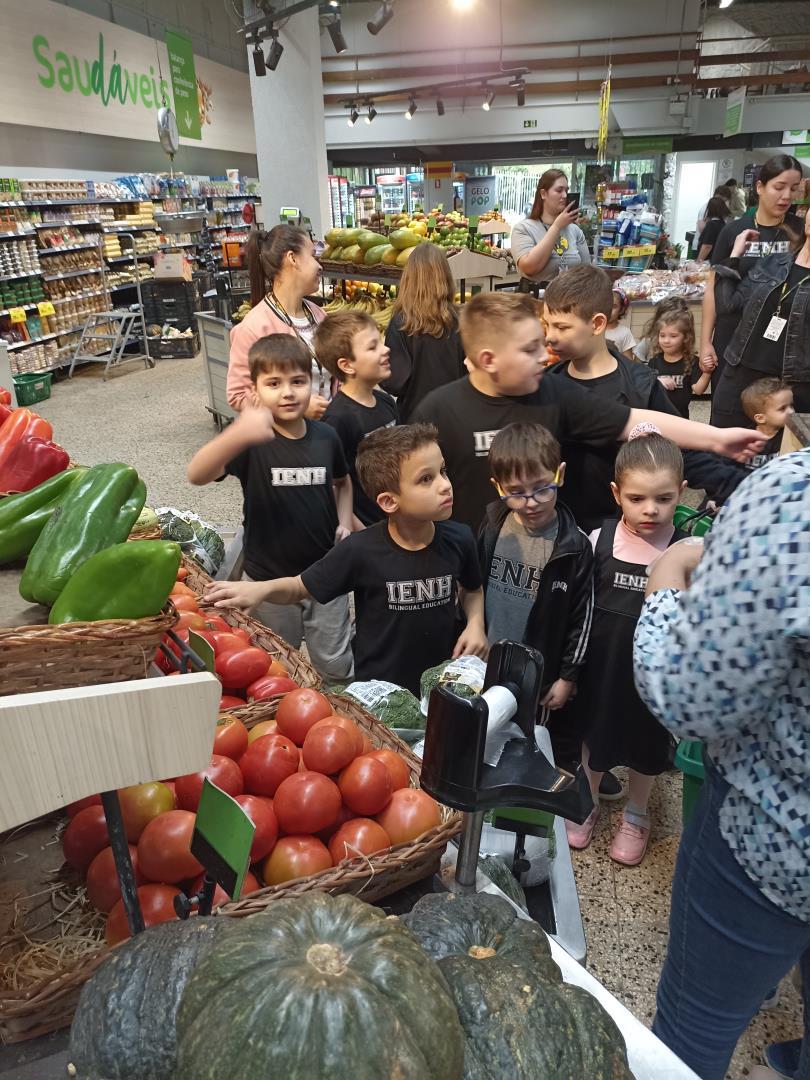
[(408, 573), (504, 344), (297, 494), (349, 345), (769, 403)]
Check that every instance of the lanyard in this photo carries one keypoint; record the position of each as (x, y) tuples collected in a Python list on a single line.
[(786, 293), (277, 308)]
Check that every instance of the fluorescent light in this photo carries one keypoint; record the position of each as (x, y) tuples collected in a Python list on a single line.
[(726, 3), (463, 5), (412, 106), (487, 104)]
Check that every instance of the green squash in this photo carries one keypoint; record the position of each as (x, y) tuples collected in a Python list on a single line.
[(318, 987), (124, 1027)]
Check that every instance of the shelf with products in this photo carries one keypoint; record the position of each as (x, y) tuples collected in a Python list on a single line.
[(18, 277), (65, 221), (128, 256), (124, 226), (73, 273), (65, 247), (13, 346), (17, 235), (25, 307)]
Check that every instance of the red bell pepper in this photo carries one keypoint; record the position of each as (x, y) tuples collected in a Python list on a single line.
[(5, 413), (5, 396), (32, 461), (21, 424)]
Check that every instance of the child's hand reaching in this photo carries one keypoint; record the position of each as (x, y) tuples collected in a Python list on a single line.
[(667, 382), (243, 595), (254, 425), (558, 695), (473, 641)]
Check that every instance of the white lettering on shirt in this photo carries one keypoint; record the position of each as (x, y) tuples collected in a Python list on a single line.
[(759, 248), (308, 477), (637, 582), (483, 441), (678, 381), (758, 460), (520, 575), (419, 593), (559, 585)]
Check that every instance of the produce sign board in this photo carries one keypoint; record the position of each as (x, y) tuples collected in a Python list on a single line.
[(222, 837)]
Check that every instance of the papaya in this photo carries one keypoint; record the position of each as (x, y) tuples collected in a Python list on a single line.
[(350, 236), (403, 256), (375, 255), (353, 253), (334, 238), (327, 253), (389, 255), (368, 239), (404, 238), (337, 254)]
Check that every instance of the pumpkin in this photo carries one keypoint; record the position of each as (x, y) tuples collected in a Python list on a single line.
[(124, 1027), (319, 986)]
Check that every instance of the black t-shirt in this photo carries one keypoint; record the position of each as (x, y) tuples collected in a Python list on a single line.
[(768, 452), (405, 601), (290, 512), (353, 422), (763, 354), (772, 239), (468, 421), (420, 363), (682, 394), (711, 231)]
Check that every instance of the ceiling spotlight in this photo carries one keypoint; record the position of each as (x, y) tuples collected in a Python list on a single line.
[(726, 3), (336, 34), (519, 86), (411, 109), (258, 60), (354, 116), (274, 52), (463, 5), (440, 106), (384, 14), (487, 103), (372, 112)]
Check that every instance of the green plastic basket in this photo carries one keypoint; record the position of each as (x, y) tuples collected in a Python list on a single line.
[(32, 388), (689, 759), (690, 520)]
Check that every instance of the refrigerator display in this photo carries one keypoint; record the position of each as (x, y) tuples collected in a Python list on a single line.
[(339, 206), (365, 203), (416, 194), (392, 193)]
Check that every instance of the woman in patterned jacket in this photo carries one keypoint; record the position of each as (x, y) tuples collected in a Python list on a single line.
[(725, 658)]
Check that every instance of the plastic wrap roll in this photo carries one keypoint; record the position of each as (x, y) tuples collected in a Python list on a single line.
[(502, 707)]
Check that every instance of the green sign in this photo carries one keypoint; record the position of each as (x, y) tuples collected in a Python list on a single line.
[(802, 152), (202, 648), (530, 123), (184, 84), (647, 144), (223, 834), (734, 112)]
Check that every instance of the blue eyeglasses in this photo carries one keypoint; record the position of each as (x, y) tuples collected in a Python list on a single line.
[(540, 494)]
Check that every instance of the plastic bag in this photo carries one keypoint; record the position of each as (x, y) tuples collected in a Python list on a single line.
[(465, 676), (196, 537)]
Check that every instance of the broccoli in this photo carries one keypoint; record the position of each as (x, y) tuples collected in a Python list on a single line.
[(465, 677), (395, 707)]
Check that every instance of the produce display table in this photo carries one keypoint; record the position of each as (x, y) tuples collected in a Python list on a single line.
[(797, 433)]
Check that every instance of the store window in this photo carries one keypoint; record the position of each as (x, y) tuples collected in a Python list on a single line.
[(518, 183)]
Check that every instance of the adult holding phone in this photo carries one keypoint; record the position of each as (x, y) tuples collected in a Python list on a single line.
[(549, 239)]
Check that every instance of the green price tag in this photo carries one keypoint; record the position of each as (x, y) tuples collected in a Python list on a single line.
[(387, 219), (201, 647), (431, 222), (440, 207), (473, 223), (222, 838)]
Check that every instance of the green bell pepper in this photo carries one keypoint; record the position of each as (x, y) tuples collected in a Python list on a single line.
[(126, 581), (99, 511), (24, 516)]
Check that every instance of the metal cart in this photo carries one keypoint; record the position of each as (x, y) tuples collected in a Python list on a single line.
[(215, 345)]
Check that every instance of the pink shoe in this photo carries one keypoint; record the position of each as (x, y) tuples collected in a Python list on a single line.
[(579, 836), (630, 843)]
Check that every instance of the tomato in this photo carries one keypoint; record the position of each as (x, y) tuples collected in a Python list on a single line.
[(141, 803), (368, 745), (328, 748), (360, 836), (161, 659), (295, 857), (344, 815), (157, 905), (185, 603), (261, 812), (221, 771), (164, 848), (397, 767), (230, 701), (84, 837), (226, 640), (267, 762), (240, 632), (182, 573), (216, 622), (306, 803), (241, 667), (366, 785), (277, 668), (180, 589), (230, 737), (190, 620), (270, 686), (74, 807), (266, 727), (410, 813), (298, 711), (348, 725), (251, 885), (103, 887)]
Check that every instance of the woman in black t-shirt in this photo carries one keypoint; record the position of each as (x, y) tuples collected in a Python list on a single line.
[(426, 349), (717, 214)]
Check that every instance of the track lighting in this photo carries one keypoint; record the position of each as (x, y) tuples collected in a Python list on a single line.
[(411, 109), (439, 106), (487, 103), (384, 14), (519, 86), (336, 34), (259, 66), (354, 116), (372, 112), (274, 52)]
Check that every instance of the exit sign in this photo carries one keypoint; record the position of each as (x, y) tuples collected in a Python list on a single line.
[(530, 123)]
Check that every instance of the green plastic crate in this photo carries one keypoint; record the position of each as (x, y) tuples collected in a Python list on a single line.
[(692, 521), (689, 759), (32, 388)]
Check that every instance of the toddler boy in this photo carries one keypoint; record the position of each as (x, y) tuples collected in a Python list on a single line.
[(297, 494), (769, 403)]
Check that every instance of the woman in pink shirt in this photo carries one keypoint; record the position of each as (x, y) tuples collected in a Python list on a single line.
[(283, 271)]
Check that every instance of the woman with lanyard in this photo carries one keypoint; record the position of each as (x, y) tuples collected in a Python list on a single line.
[(776, 187), (772, 307), (548, 240), (283, 271)]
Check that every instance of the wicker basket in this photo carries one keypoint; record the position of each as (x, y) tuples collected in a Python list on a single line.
[(79, 654), (301, 671), (50, 1004)]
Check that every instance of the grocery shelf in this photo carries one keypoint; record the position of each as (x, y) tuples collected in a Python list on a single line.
[(72, 202), (80, 296), (16, 277), (25, 307), (186, 243), (14, 345), (72, 273), (123, 227), (59, 250), (64, 221), (128, 258), (17, 235)]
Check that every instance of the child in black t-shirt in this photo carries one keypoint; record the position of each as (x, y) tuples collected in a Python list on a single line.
[(297, 494), (407, 573), (349, 346), (769, 403), (676, 361)]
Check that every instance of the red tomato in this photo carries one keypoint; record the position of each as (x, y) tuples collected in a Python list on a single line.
[(103, 887), (182, 573), (410, 813), (306, 803), (241, 667), (216, 622), (161, 660), (251, 885), (164, 848), (348, 725), (400, 773), (266, 727), (190, 620), (295, 857), (368, 745), (298, 711), (222, 771), (185, 603), (366, 785), (85, 836), (230, 701), (261, 813), (344, 815), (226, 640), (157, 905), (181, 589), (74, 807), (270, 686), (141, 803), (328, 748), (230, 737), (360, 836), (267, 762)]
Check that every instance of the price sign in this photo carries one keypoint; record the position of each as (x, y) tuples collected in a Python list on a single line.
[(480, 194), (633, 251), (17, 314), (611, 253), (46, 308), (201, 647), (222, 838)]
